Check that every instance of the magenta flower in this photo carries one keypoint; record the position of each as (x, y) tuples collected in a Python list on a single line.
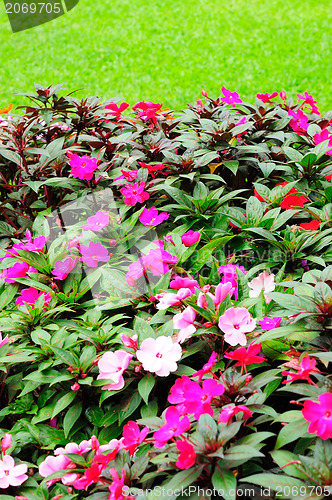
[(149, 110), (207, 368), (299, 121), (309, 100), (31, 295), (117, 488), (97, 222), (93, 254), (63, 267), (177, 395), (190, 238), (18, 270), (222, 291), (155, 260), (111, 366), (82, 167), (179, 282), (319, 414), (235, 323), (270, 323), (151, 218), (187, 455), (266, 97), (134, 193), (185, 322), (228, 412), (35, 245), (304, 370), (230, 97), (159, 355), (245, 356), (174, 427), (116, 110), (11, 474), (3, 341), (198, 399), (229, 272), (264, 282), (171, 299), (324, 136), (133, 436)]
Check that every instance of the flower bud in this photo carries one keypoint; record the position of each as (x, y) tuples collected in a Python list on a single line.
[(75, 387), (6, 442), (112, 243), (204, 93), (283, 95)]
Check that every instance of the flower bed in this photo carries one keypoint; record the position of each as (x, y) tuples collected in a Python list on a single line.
[(166, 299)]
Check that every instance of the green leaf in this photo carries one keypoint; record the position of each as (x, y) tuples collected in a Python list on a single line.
[(308, 160), (145, 386), (71, 417), (277, 482), (292, 431), (224, 481), (63, 402), (203, 255), (183, 479)]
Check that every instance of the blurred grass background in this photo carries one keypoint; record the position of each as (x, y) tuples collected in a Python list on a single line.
[(168, 51)]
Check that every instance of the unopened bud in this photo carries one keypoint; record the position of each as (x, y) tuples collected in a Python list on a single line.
[(204, 93), (75, 387), (112, 243), (283, 95), (6, 442), (248, 379)]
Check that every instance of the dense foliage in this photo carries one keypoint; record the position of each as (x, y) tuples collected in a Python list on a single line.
[(166, 299)]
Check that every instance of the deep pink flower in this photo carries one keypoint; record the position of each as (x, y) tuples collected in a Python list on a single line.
[(266, 97), (150, 217), (75, 387), (133, 436), (156, 261), (63, 267), (116, 110), (229, 272), (177, 393), (91, 475), (324, 136), (129, 175), (299, 121), (159, 355), (6, 443), (179, 282), (245, 356), (173, 427), (97, 222), (3, 341), (111, 366), (11, 474), (134, 193), (31, 295), (207, 368), (185, 322), (172, 299), (235, 323), (304, 370), (129, 341), (118, 488), (93, 254), (228, 412), (187, 455), (270, 323), (18, 270), (264, 282), (149, 110), (36, 245), (309, 100), (82, 167), (190, 238), (319, 414), (230, 97), (197, 399)]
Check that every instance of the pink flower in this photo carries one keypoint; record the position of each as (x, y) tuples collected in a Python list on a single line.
[(159, 355), (264, 282), (75, 387), (174, 427), (177, 395), (77, 449), (245, 356), (304, 370), (31, 295), (63, 267), (222, 291), (309, 100), (148, 109), (319, 414), (184, 321), (228, 412), (299, 121), (270, 323), (171, 299), (18, 270), (235, 323), (190, 238), (53, 464), (118, 488), (151, 218), (229, 272), (82, 167), (3, 341), (97, 222), (11, 474), (197, 399), (91, 476), (324, 136), (133, 436), (116, 110), (155, 261), (207, 368), (179, 282), (187, 455), (129, 175), (129, 341), (111, 366), (266, 97), (6, 442), (93, 254), (230, 97), (134, 193)]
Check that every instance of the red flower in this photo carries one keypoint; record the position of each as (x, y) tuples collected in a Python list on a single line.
[(293, 201), (116, 110), (148, 111), (310, 226), (266, 97), (187, 455), (245, 356), (258, 196)]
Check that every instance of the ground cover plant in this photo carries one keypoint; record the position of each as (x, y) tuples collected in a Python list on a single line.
[(166, 298)]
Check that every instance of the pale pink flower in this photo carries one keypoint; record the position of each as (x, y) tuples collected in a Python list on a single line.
[(159, 355), (190, 238), (93, 254), (77, 449), (31, 295), (222, 291), (63, 267), (235, 323), (54, 464), (150, 217), (230, 97), (82, 167), (184, 321), (111, 366), (171, 299), (11, 474), (264, 282), (97, 222)]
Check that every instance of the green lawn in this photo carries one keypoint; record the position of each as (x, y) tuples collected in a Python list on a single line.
[(167, 51)]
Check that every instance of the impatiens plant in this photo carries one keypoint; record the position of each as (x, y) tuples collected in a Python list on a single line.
[(166, 299)]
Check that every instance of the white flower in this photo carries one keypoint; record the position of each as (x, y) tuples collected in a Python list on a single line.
[(159, 355), (263, 282)]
